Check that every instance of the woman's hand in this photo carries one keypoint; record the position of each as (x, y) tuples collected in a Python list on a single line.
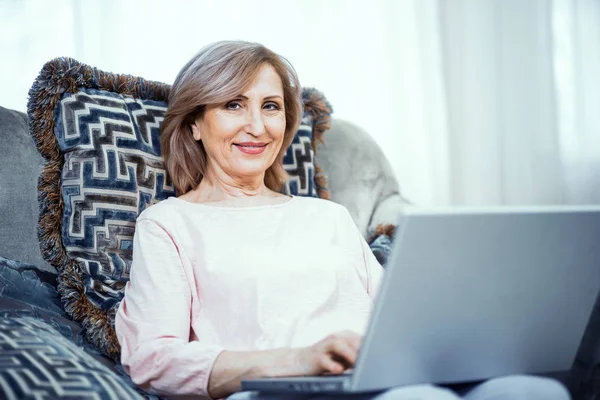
[(333, 354)]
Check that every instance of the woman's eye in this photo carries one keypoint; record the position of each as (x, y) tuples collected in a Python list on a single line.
[(233, 105), (271, 106)]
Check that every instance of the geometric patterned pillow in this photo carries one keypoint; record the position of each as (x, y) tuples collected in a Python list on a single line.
[(100, 136), (112, 171), (380, 242), (299, 161), (37, 362), (381, 246)]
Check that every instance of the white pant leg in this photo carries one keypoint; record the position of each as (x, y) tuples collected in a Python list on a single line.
[(414, 392), (519, 387)]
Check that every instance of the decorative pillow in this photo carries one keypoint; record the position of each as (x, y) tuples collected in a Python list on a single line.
[(37, 362), (380, 242), (25, 291), (25, 282), (305, 175), (99, 134)]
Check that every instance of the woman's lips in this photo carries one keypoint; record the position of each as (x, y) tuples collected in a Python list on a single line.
[(251, 148)]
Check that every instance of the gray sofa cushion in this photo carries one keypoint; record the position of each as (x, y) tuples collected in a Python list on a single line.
[(19, 171), (359, 177)]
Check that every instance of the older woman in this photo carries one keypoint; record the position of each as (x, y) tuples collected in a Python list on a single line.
[(232, 279)]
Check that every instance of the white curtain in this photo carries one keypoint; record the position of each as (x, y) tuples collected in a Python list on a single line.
[(498, 65), (473, 102), (577, 82), (522, 100)]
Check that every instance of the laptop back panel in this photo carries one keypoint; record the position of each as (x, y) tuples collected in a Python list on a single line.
[(472, 295)]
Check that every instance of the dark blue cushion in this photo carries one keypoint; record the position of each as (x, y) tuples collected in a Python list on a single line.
[(27, 291), (37, 362), (381, 246), (28, 294)]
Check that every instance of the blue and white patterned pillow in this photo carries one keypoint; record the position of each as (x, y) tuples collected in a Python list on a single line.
[(112, 171), (100, 135), (37, 362), (299, 162)]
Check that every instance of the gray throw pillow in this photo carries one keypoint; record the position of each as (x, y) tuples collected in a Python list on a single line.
[(20, 167)]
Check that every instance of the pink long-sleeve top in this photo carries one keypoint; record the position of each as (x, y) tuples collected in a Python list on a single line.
[(206, 279)]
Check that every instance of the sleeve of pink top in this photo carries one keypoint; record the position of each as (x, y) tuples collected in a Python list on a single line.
[(153, 320), (368, 268)]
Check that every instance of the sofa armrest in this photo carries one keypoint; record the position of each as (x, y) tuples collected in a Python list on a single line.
[(359, 176), (387, 212)]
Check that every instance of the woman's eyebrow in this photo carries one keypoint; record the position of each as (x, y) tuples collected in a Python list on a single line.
[(274, 96), (270, 97)]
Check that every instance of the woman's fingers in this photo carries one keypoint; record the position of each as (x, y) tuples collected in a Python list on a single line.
[(335, 353), (354, 342), (343, 352), (353, 338), (329, 365)]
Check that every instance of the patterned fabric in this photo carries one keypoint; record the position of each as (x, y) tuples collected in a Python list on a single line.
[(100, 136), (25, 291), (36, 362), (113, 170), (381, 246), (299, 162), (380, 242)]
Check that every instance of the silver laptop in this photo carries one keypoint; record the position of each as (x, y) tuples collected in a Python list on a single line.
[(473, 294)]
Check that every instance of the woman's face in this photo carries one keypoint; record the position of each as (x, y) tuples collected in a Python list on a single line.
[(243, 136)]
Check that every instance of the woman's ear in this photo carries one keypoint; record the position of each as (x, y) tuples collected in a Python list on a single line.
[(196, 130)]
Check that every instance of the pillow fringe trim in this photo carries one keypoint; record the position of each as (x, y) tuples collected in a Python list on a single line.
[(58, 76), (317, 105)]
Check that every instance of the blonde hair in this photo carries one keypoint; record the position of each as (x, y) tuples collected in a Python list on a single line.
[(218, 73)]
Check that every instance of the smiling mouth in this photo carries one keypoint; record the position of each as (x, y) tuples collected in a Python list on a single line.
[(251, 148), (250, 145)]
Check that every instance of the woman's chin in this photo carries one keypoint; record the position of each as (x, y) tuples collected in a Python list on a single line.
[(252, 169)]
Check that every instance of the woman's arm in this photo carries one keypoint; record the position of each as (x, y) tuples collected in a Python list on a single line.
[(231, 367), (333, 354), (153, 322)]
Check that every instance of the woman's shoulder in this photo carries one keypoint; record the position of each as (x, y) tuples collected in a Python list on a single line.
[(321, 206), (162, 211)]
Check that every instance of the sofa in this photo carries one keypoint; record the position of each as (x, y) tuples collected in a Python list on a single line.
[(47, 354)]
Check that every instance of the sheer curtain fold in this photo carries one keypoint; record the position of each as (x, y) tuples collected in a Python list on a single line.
[(522, 101), (576, 31), (499, 75)]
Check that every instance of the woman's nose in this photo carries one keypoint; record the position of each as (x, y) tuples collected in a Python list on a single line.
[(255, 124)]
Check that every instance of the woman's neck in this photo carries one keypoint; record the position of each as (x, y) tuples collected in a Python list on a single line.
[(224, 189)]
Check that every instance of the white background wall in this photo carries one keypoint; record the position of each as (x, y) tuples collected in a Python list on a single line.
[(438, 84)]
